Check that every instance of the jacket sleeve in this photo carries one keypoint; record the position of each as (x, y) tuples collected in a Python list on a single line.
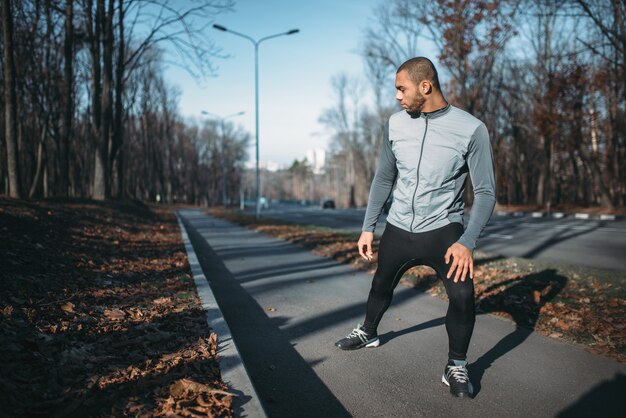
[(480, 164), (381, 185)]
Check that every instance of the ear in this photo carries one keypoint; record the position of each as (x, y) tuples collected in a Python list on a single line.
[(425, 87)]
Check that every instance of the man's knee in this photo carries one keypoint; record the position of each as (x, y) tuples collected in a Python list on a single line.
[(461, 297)]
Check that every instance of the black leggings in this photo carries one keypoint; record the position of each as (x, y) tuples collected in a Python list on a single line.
[(400, 250)]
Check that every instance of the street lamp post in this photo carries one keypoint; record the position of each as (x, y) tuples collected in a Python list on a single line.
[(256, 44), (222, 128)]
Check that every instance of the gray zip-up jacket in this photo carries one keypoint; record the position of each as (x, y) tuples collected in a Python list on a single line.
[(431, 154)]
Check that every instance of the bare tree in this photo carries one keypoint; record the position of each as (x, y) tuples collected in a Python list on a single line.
[(350, 122), (607, 43), (174, 24), (67, 100), (555, 113), (10, 100)]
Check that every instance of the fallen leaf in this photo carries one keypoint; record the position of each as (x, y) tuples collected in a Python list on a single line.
[(161, 301), (537, 297), (114, 314), (561, 324), (7, 311), (68, 307)]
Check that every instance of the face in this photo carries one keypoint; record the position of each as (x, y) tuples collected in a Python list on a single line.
[(408, 94)]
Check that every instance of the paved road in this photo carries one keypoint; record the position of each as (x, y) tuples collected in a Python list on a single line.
[(286, 307), (589, 243)]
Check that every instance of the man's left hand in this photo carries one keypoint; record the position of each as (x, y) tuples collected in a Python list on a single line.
[(462, 262)]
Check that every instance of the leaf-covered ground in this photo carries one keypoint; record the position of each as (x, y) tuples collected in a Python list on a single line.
[(580, 305), (99, 316)]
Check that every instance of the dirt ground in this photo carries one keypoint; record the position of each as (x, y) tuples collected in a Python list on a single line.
[(99, 316)]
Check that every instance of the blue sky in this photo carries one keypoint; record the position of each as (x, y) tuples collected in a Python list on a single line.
[(295, 71)]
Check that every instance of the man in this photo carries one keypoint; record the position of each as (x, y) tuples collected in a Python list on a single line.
[(429, 148)]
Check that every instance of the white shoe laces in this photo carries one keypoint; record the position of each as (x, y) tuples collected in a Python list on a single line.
[(458, 372), (358, 333)]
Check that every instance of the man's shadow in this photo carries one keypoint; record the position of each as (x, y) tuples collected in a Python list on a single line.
[(522, 299)]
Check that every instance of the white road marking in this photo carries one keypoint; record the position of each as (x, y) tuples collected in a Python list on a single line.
[(590, 228), (577, 227)]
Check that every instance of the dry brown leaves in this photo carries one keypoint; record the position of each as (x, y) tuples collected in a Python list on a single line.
[(99, 315), (555, 301)]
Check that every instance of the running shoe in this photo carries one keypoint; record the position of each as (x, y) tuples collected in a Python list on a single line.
[(455, 375), (358, 338)]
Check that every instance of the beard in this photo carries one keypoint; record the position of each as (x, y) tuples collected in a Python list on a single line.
[(417, 104)]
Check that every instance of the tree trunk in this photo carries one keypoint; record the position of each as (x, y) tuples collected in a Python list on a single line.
[(543, 183), (98, 191), (41, 149), (117, 154), (107, 94), (594, 169), (68, 103), (591, 161), (10, 100)]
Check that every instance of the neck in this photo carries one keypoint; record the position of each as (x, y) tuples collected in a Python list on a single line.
[(436, 102)]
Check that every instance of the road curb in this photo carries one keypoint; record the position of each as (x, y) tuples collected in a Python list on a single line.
[(233, 370)]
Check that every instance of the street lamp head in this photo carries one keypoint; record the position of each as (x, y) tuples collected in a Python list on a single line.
[(292, 31), (221, 118), (220, 27)]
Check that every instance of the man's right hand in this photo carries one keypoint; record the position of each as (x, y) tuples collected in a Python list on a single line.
[(365, 245)]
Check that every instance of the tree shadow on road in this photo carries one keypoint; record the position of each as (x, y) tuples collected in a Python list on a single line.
[(388, 336), (606, 399), (284, 381), (560, 236), (522, 299)]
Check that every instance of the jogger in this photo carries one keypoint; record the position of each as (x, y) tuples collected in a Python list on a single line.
[(427, 152)]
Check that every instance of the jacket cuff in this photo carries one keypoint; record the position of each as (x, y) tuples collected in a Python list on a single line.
[(466, 242)]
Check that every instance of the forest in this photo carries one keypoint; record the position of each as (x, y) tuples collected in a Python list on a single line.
[(87, 112), (546, 76)]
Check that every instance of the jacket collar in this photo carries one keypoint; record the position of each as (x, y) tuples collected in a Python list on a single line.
[(437, 113), (431, 115)]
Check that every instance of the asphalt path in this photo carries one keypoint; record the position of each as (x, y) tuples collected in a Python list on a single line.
[(583, 242), (286, 307)]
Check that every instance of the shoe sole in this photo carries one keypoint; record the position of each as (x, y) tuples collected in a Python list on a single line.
[(461, 395), (371, 344)]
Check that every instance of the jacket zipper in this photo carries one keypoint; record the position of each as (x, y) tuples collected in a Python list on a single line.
[(419, 162)]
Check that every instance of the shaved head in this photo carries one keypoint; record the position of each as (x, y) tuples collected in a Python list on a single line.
[(419, 69)]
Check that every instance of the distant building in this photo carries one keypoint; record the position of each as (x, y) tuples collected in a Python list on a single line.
[(316, 158)]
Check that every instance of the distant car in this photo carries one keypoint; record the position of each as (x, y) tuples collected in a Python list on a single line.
[(264, 203), (328, 204)]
